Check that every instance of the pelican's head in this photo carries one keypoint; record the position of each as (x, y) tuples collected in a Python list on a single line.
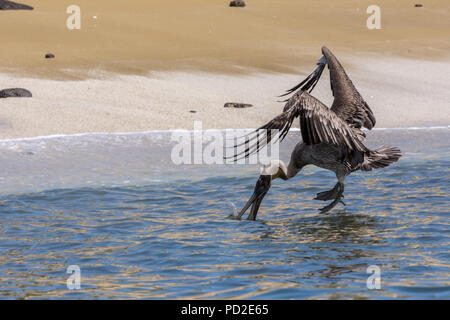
[(275, 169)]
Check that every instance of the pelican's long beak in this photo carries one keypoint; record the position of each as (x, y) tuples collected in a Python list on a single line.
[(261, 188)]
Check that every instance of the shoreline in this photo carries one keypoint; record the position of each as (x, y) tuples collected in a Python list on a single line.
[(130, 133), (37, 164)]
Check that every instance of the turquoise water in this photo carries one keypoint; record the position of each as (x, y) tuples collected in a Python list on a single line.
[(140, 227)]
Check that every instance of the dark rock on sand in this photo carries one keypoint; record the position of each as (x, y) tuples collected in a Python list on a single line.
[(9, 5), (193, 111), (237, 105), (15, 92), (237, 3), (49, 56), (418, 5)]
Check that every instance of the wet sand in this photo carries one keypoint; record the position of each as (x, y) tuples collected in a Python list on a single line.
[(401, 92), (142, 66)]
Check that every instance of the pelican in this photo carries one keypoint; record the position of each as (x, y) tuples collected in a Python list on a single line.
[(332, 137)]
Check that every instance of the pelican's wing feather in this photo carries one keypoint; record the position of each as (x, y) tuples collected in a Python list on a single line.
[(310, 81), (262, 136), (317, 123), (348, 103)]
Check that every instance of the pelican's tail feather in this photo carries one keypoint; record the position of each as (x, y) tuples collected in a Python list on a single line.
[(380, 158)]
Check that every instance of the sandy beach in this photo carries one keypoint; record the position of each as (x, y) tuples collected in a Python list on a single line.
[(145, 65)]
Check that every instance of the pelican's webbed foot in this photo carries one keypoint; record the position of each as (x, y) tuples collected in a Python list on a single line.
[(336, 193), (330, 194)]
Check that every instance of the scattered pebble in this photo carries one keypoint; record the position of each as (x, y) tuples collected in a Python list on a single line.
[(237, 105), (15, 93), (418, 5), (193, 111), (9, 5), (49, 56), (237, 3)]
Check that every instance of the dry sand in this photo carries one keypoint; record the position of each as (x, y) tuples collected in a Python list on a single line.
[(143, 65), (135, 36)]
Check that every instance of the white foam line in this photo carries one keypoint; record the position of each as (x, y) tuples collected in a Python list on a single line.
[(413, 128), (87, 134)]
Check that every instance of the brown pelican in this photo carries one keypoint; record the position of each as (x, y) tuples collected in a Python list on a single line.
[(332, 137)]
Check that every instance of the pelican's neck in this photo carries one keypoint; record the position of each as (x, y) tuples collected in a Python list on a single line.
[(282, 172)]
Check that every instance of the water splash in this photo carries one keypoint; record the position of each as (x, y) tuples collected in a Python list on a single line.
[(234, 214)]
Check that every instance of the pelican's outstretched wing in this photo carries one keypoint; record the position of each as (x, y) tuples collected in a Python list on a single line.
[(348, 103), (317, 123)]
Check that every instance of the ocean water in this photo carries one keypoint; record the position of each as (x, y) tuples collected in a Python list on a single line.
[(140, 227)]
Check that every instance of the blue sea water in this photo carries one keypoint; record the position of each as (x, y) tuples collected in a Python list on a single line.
[(140, 227)]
